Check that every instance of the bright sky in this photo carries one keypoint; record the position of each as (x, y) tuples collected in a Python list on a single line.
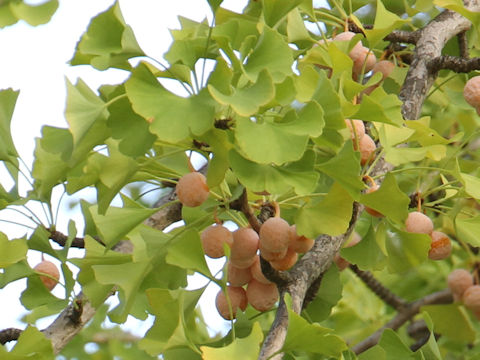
[(35, 61)]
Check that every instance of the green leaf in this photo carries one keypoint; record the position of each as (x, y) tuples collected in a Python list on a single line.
[(132, 130), (84, 109), (406, 250), (246, 348), (311, 338), (271, 53), (169, 330), (11, 251), (108, 42), (345, 169), (452, 321), (268, 145), (118, 222), (247, 100), (467, 229), (396, 208), (32, 14), (8, 99), (276, 180), (471, 185), (367, 254), (329, 293), (275, 10), (380, 107), (402, 155), (385, 22), (50, 166), (173, 118), (394, 346), (332, 214), (296, 29), (327, 97), (186, 252), (32, 344), (128, 277)]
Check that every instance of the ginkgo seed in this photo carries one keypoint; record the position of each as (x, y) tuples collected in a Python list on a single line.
[(192, 189)]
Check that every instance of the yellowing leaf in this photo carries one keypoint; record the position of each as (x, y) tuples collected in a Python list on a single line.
[(247, 348)]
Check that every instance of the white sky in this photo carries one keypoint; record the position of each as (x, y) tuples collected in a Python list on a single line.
[(34, 61)]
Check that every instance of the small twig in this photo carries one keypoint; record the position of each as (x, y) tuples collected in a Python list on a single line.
[(10, 334), (241, 204), (408, 312), (61, 239), (396, 36), (379, 289), (454, 63)]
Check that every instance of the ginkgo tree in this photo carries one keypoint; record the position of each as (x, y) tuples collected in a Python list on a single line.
[(281, 124)]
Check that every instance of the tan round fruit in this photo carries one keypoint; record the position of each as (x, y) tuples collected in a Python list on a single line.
[(458, 281), (275, 234), (244, 247), (192, 189), (237, 276), (286, 262), (272, 255), (357, 130), (371, 211), (262, 297), (367, 148), (256, 270), (471, 91), (384, 67), (213, 238), (441, 246), (238, 300), (299, 243), (347, 36), (48, 268), (418, 222), (471, 297), (363, 61)]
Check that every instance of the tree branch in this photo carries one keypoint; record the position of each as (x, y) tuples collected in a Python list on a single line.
[(454, 63), (381, 291), (431, 41), (405, 314), (9, 334)]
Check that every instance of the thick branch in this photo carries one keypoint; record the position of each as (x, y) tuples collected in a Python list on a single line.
[(431, 41), (9, 334), (408, 312), (454, 63), (381, 291)]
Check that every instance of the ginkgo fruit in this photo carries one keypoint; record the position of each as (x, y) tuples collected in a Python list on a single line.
[(384, 67), (471, 91), (286, 262), (213, 239), (356, 127), (299, 243), (275, 234), (458, 281), (192, 189), (367, 148), (256, 271), (418, 222), (440, 247), (238, 300), (471, 297), (244, 247), (48, 268), (237, 276), (261, 296)]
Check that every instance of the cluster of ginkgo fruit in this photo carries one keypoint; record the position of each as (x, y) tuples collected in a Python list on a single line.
[(277, 242), (465, 288)]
